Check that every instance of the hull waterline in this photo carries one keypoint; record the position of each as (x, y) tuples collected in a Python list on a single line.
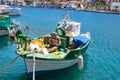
[(3, 32), (46, 66)]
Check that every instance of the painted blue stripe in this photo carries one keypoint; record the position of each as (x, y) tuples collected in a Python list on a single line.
[(40, 73)]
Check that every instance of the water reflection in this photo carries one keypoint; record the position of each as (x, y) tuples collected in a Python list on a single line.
[(71, 73), (4, 40)]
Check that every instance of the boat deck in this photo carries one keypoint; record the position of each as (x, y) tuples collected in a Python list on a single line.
[(53, 55)]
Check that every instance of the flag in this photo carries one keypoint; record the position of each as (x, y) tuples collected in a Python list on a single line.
[(66, 16)]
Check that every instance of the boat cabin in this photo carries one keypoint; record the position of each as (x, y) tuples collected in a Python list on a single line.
[(4, 22)]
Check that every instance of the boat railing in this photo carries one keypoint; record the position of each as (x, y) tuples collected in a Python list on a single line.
[(22, 41)]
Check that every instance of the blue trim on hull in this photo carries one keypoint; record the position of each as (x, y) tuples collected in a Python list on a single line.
[(40, 73)]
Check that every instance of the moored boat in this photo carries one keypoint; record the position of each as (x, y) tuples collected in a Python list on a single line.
[(5, 24), (15, 11), (38, 57), (7, 10)]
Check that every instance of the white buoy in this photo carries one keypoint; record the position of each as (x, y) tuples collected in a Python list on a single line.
[(80, 62)]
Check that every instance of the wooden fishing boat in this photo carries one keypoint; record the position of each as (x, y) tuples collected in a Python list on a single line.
[(5, 24), (68, 53)]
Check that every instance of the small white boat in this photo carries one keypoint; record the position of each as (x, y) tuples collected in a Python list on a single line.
[(5, 9), (15, 11)]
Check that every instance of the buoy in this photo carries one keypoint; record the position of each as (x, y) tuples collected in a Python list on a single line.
[(80, 62)]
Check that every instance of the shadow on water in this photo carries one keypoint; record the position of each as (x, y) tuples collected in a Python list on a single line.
[(85, 60), (67, 74), (23, 76), (4, 40), (72, 73)]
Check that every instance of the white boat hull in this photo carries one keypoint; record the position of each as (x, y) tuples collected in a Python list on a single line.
[(45, 66), (15, 11), (5, 9), (3, 32)]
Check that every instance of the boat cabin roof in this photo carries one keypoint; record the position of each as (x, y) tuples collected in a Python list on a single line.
[(5, 6)]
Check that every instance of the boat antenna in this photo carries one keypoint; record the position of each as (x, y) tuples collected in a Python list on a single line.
[(67, 16), (26, 28)]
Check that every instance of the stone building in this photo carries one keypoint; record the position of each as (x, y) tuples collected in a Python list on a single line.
[(114, 5), (12, 2)]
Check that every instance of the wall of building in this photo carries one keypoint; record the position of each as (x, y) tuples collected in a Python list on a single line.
[(115, 6)]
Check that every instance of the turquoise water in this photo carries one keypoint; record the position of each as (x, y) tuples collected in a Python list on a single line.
[(101, 60)]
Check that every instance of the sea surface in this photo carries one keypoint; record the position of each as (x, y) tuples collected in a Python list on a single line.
[(101, 60)]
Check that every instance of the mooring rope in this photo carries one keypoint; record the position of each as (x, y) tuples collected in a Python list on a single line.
[(34, 66), (8, 65)]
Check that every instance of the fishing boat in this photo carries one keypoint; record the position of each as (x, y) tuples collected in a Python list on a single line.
[(5, 9), (5, 24), (15, 11), (40, 60)]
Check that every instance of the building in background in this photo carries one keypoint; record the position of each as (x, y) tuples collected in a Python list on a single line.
[(12, 2), (109, 5), (115, 5)]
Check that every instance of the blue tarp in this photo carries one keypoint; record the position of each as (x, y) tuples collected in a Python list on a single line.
[(79, 41)]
